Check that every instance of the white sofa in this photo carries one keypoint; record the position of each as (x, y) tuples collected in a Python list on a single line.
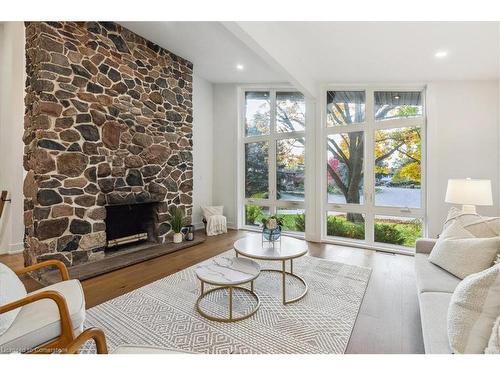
[(435, 287)]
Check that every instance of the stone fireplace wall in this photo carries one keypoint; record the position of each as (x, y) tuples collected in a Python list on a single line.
[(108, 121)]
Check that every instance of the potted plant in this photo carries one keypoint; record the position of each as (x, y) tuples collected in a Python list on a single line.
[(272, 227), (176, 222)]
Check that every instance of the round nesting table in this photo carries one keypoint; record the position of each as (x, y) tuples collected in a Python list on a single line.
[(287, 249), (228, 273)]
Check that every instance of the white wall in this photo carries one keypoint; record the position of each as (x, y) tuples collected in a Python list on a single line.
[(12, 78), (463, 141), (203, 126), (225, 149)]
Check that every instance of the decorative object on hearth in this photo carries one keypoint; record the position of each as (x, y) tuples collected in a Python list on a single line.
[(469, 193), (271, 228), (214, 220), (176, 222), (188, 232)]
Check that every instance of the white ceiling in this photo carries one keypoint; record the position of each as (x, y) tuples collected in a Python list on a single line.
[(389, 51), (334, 52), (212, 49)]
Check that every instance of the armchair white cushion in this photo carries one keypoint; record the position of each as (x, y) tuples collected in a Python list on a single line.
[(11, 289), (39, 322)]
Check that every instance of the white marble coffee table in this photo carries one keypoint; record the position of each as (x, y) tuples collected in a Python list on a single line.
[(286, 249), (228, 273)]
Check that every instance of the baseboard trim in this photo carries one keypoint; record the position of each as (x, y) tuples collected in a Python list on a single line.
[(15, 248)]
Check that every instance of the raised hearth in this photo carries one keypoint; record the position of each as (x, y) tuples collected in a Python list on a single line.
[(115, 260)]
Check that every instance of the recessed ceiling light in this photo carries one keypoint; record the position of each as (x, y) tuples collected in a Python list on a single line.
[(441, 54), (240, 67)]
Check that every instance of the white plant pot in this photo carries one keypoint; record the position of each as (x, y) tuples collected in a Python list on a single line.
[(177, 237)]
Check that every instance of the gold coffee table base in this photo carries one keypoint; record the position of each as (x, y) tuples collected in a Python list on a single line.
[(230, 318), (284, 272), (288, 249), (283, 285)]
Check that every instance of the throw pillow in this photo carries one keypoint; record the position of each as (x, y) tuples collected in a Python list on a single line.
[(463, 257), (483, 227), (474, 306), (11, 289), (477, 225), (455, 230), (456, 214), (494, 343)]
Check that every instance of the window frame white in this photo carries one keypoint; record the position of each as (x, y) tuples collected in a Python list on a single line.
[(369, 127), (272, 138)]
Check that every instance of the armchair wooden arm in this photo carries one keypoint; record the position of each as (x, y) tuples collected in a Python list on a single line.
[(66, 327), (95, 334), (46, 263)]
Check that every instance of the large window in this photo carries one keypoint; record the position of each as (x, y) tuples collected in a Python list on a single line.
[(369, 164), (374, 165), (274, 157)]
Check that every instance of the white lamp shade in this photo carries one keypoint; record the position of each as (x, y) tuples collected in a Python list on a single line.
[(469, 192)]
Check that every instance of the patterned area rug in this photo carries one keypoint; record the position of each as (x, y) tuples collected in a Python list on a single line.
[(163, 313)]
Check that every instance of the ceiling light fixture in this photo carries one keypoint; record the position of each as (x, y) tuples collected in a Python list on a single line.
[(396, 97), (441, 54), (240, 67)]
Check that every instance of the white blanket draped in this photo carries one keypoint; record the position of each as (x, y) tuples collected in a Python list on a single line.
[(216, 224)]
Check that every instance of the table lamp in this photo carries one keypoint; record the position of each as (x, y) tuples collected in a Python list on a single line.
[(469, 193)]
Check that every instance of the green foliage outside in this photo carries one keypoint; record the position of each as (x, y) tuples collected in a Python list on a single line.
[(390, 232), (291, 222), (341, 227), (253, 214), (294, 222)]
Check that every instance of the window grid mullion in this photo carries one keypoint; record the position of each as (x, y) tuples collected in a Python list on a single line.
[(272, 155)]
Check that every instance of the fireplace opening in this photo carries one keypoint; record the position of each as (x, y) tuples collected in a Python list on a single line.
[(130, 224)]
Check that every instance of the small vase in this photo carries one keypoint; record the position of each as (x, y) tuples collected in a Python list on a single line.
[(271, 234), (177, 237)]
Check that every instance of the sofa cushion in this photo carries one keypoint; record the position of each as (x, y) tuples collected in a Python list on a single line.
[(11, 289), (431, 278), (38, 322), (494, 341), (477, 225), (433, 312), (474, 307), (463, 257)]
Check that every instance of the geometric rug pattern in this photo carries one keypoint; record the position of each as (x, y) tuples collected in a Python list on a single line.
[(163, 313)]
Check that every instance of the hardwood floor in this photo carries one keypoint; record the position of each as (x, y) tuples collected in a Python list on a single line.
[(389, 319)]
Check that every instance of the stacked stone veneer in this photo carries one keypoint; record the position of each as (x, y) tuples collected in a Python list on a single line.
[(108, 121)]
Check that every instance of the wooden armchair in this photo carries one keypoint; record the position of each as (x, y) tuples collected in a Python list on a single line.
[(49, 318), (95, 334)]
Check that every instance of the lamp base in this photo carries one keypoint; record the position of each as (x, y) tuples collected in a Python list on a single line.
[(469, 209)]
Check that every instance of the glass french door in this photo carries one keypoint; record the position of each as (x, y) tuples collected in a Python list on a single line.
[(374, 180), (274, 157)]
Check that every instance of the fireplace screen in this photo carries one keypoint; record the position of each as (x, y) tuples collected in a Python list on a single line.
[(130, 223)]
